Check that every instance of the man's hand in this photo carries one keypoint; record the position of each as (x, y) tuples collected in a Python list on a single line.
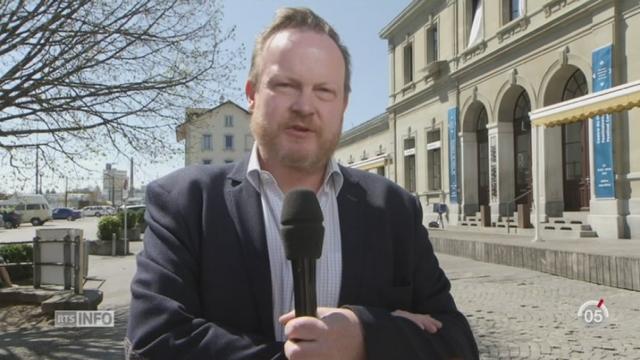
[(425, 322), (335, 334)]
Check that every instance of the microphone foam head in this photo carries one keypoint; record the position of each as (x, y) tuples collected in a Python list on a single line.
[(302, 230)]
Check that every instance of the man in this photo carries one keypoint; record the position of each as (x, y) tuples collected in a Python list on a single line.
[(213, 282)]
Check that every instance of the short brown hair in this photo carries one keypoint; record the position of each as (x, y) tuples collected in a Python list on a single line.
[(299, 18)]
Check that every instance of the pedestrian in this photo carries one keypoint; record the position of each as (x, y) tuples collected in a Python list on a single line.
[(213, 281), (4, 274)]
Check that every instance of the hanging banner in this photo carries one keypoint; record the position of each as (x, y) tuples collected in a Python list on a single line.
[(453, 154), (604, 182)]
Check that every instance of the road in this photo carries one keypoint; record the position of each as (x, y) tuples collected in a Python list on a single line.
[(26, 231)]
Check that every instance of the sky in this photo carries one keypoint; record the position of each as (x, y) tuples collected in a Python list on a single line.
[(357, 21)]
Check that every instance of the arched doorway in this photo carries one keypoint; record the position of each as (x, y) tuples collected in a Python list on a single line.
[(575, 151), (482, 136), (522, 149)]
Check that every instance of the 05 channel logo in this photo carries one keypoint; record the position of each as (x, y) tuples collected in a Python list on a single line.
[(80, 318), (593, 312)]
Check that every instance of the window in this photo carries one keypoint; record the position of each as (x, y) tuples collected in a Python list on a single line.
[(248, 142), (207, 143), (408, 63), (206, 161), (434, 159), (475, 23), (228, 142), (228, 121), (228, 161), (33, 206), (410, 164), (511, 10), (432, 43)]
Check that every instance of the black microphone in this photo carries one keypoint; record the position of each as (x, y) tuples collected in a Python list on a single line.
[(302, 234)]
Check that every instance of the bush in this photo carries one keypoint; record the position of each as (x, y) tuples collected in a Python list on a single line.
[(109, 225), (17, 254), (132, 219), (142, 224)]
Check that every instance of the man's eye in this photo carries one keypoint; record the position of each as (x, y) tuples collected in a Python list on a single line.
[(326, 93), (284, 85)]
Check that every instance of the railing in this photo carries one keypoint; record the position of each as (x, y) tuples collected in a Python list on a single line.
[(73, 271), (509, 209)]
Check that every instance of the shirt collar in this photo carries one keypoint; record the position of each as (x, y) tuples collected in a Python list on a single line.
[(333, 175)]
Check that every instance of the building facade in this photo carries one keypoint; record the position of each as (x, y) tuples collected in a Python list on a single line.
[(215, 136), (464, 77), (113, 183), (368, 147)]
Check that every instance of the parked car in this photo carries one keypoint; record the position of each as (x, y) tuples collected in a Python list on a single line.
[(11, 219), (66, 213), (32, 208), (98, 210)]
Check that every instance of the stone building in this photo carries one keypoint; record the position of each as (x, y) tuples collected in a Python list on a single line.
[(465, 77)]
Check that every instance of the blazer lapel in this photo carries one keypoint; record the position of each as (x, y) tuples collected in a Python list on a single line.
[(245, 209), (352, 207)]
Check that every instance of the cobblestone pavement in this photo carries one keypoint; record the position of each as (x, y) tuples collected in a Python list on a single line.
[(515, 314), (522, 314)]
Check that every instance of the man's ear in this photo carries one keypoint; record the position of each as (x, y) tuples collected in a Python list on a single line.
[(346, 102), (250, 92)]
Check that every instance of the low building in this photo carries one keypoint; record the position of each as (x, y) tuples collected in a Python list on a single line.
[(368, 147), (215, 136)]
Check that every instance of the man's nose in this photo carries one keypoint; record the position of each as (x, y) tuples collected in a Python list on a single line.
[(303, 103)]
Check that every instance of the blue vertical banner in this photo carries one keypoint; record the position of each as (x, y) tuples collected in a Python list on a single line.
[(453, 154), (604, 182)]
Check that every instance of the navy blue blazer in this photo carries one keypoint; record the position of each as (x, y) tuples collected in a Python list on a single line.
[(202, 289)]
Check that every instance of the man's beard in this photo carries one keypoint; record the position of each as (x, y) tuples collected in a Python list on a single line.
[(267, 138)]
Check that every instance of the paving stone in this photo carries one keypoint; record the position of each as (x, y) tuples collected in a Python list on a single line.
[(519, 313)]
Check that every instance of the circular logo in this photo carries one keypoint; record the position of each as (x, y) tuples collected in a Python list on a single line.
[(593, 312)]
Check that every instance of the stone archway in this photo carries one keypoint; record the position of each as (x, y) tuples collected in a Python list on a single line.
[(515, 150), (571, 191), (475, 158)]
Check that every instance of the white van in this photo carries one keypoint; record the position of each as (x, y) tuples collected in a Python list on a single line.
[(33, 208)]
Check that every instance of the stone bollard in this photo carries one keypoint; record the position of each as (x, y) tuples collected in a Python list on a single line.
[(113, 244)]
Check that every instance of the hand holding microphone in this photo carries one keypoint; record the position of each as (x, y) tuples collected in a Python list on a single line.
[(302, 233), (337, 333)]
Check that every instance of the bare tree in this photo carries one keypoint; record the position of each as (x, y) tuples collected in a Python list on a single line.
[(86, 77)]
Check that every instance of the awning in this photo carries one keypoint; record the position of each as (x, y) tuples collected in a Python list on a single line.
[(371, 163), (620, 98)]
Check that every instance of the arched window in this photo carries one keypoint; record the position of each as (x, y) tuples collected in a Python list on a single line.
[(575, 87)]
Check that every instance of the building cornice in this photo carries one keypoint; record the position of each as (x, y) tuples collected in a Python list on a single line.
[(370, 127), (400, 19), (489, 56)]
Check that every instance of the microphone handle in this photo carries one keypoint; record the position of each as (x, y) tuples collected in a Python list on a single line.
[(304, 286)]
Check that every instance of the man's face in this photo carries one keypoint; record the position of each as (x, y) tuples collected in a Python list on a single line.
[(299, 102)]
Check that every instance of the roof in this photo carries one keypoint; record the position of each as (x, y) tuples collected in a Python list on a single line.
[(375, 125), (191, 113)]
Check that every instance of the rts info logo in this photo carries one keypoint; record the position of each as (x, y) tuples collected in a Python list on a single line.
[(72, 318)]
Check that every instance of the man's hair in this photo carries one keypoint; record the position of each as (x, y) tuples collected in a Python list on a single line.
[(301, 19)]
